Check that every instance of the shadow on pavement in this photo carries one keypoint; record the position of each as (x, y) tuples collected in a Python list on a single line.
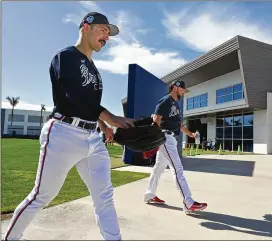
[(233, 223), (219, 166), (166, 206)]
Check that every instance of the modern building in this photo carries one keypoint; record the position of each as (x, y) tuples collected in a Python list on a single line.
[(25, 122), (230, 95)]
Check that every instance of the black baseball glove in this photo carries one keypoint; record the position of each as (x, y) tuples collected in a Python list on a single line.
[(145, 136)]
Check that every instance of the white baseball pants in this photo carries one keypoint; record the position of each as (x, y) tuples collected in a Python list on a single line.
[(168, 155), (62, 147)]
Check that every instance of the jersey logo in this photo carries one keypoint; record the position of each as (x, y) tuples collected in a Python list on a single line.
[(90, 78), (174, 111)]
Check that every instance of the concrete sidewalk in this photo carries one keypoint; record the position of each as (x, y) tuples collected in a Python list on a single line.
[(239, 206)]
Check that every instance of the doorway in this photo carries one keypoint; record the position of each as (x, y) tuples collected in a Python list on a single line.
[(194, 125)]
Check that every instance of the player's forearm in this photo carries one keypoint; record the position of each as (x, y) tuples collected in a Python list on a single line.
[(106, 116), (102, 125), (186, 131)]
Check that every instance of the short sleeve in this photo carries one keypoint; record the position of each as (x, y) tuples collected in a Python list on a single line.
[(162, 108), (63, 66)]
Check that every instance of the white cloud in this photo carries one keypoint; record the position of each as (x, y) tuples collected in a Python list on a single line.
[(212, 26), (24, 105), (87, 6), (156, 62), (127, 48)]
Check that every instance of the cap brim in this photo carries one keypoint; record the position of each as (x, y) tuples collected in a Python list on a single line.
[(114, 30), (186, 90)]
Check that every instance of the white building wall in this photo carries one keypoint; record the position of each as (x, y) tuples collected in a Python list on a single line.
[(211, 129), (260, 132), (25, 124), (210, 87), (269, 123)]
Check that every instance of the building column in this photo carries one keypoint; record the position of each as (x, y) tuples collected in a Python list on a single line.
[(211, 128), (260, 132), (25, 124), (269, 123)]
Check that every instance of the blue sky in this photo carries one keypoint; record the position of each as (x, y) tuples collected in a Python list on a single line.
[(159, 36)]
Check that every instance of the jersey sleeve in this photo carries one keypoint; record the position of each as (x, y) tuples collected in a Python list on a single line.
[(62, 65), (162, 108)]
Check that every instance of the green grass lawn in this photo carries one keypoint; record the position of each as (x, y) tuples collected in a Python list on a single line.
[(19, 165)]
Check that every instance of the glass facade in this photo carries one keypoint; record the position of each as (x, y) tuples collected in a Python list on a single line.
[(197, 101), (235, 130), (230, 93)]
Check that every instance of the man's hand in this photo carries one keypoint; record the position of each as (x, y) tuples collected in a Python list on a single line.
[(116, 121), (192, 135), (187, 132), (108, 134), (122, 122)]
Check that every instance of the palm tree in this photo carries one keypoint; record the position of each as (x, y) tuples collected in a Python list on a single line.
[(42, 109), (13, 102)]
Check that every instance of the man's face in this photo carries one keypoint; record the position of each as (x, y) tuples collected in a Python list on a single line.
[(180, 92), (97, 35)]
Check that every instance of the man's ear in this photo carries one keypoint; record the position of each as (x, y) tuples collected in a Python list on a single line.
[(85, 27)]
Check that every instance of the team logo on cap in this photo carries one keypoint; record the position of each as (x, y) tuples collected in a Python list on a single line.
[(177, 83), (90, 19)]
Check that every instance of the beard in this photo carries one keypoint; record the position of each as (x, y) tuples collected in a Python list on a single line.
[(178, 96)]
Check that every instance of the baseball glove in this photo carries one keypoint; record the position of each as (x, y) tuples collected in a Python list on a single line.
[(144, 137)]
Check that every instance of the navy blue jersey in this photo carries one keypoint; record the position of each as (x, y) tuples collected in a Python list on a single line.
[(169, 109), (76, 85)]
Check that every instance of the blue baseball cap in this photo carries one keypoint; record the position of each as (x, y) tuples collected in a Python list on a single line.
[(178, 83), (98, 18)]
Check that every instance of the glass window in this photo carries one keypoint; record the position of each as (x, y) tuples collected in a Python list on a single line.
[(237, 143), (228, 145), (248, 132), (228, 132), (197, 105), (229, 90), (232, 131), (238, 87), (248, 146), (219, 121), (220, 100), (248, 119), (204, 97), (17, 118), (228, 121), (228, 98), (190, 106), (190, 100), (197, 98), (230, 93), (220, 92), (219, 132), (204, 103), (237, 132), (238, 96), (237, 120), (34, 118), (197, 101)]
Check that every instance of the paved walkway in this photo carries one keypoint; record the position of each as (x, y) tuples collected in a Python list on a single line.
[(237, 189)]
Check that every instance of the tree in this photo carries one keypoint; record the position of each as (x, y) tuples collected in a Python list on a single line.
[(42, 109), (13, 102)]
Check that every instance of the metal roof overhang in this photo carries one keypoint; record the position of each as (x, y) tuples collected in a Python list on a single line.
[(218, 61)]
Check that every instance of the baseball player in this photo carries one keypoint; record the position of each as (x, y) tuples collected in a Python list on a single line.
[(71, 138), (167, 116)]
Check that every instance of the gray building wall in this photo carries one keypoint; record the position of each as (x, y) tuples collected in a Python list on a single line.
[(3, 112), (255, 61)]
